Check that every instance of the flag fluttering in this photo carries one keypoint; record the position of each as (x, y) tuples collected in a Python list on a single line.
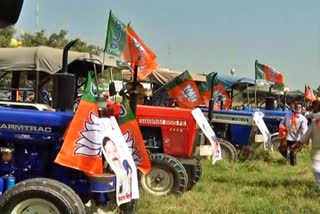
[(263, 71), (123, 42), (132, 134), (308, 94), (219, 93), (184, 90), (81, 148), (139, 54), (116, 36)]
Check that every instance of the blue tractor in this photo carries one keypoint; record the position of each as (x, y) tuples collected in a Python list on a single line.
[(31, 134), (235, 127)]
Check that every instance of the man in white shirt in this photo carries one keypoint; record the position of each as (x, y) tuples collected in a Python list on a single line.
[(296, 125)]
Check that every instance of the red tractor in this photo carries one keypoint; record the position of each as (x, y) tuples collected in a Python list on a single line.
[(171, 137)]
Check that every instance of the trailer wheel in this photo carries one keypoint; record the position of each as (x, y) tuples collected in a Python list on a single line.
[(167, 175), (194, 173), (41, 195), (228, 151)]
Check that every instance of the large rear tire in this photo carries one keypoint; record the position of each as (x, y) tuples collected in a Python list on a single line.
[(41, 195), (167, 175), (194, 173), (228, 151)]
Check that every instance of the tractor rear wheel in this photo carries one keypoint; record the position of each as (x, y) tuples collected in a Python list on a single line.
[(228, 151), (41, 195), (194, 173), (167, 175)]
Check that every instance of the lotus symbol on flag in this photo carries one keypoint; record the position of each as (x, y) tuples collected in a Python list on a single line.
[(138, 45), (190, 93), (116, 37), (123, 111), (89, 144), (132, 147), (93, 90)]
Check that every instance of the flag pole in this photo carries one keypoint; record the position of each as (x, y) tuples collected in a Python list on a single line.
[(105, 44), (134, 93), (255, 85)]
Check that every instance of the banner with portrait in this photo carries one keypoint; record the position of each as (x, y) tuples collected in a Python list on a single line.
[(118, 156)]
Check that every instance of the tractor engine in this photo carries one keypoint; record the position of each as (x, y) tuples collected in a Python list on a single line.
[(29, 141)]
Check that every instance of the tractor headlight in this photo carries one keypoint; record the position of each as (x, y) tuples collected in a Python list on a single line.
[(6, 154)]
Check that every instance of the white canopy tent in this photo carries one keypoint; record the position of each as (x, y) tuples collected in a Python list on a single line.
[(161, 76)]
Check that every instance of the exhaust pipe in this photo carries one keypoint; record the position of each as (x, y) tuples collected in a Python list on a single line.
[(211, 102), (65, 55), (64, 84)]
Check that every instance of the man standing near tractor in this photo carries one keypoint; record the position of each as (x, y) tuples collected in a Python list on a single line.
[(292, 127)]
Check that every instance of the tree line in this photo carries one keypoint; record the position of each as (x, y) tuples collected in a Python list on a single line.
[(54, 40)]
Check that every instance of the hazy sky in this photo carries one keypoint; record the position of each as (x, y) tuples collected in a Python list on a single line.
[(201, 36)]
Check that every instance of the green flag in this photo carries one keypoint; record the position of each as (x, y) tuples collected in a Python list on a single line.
[(116, 36), (90, 92), (259, 71)]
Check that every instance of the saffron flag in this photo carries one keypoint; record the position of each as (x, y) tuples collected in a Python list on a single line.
[(184, 90), (131, 133), (219, 93), (267, 73), (308, 94), (123, 42), (81, 148), (139, 54)]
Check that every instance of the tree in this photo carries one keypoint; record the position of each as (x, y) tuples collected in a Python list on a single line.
[(6, 35), (35, 39), (57, 40)]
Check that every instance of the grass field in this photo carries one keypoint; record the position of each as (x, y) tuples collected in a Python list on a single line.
[(260, 186)]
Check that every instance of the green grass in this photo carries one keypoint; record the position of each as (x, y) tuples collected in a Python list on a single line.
[(260, 186)]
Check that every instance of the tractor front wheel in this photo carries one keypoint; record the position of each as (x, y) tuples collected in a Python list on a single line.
[(194, 173), (167, 175), (41, 195)]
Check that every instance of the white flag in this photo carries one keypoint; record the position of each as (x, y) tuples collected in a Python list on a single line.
[(257, 118), (209, 133)]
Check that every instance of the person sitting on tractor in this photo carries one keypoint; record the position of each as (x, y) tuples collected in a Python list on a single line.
[(142, 92)]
